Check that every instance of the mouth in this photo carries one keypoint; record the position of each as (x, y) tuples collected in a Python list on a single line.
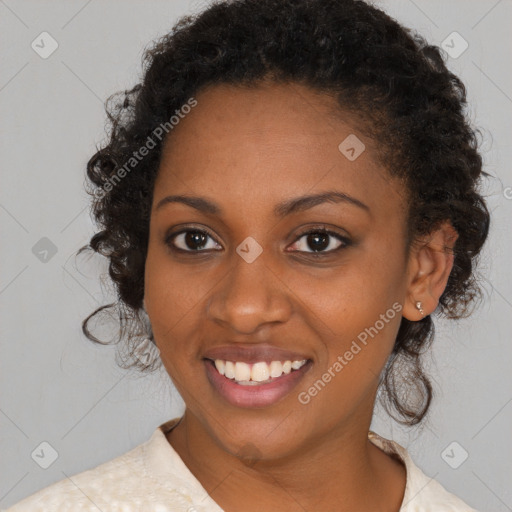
[(257, 384)]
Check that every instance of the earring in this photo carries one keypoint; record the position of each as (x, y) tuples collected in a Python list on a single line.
[(419, 307)]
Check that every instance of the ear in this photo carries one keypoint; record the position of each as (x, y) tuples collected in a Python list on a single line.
[(429, 265)]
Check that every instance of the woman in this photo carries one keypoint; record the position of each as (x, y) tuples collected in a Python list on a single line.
[(287, 197)]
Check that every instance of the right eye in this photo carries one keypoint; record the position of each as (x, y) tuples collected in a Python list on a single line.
[(190, 240)]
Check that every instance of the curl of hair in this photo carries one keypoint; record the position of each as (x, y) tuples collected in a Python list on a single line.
[(390, 78)]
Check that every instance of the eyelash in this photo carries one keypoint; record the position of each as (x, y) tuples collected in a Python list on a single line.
[(169, 240)]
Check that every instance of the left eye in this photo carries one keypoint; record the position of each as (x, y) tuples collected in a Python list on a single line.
[(320, 240)]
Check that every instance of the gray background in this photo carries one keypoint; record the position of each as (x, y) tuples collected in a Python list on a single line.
[(58, 387)]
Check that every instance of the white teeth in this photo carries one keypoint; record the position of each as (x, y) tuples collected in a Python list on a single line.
[(260, 372), (242, 371), (276, 369), (250, 375), (220, 365), (229, 370), (248, 383)]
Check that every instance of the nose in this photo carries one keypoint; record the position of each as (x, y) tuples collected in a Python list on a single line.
[(249, 296)]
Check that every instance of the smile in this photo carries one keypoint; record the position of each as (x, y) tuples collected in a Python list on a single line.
[(258, 373), (255, 385)]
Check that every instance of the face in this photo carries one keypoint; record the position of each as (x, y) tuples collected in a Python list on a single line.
[(242, 275)]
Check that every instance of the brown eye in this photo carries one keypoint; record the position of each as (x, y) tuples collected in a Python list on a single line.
[(320, 241), (191, 241)]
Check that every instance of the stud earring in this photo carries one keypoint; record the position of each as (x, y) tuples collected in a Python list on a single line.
[(419, 307)]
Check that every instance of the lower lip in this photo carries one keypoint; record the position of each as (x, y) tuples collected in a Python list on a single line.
[(260, 395)]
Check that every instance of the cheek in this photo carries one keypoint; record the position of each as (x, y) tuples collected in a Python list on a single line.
[(171, 290), (171, 297), (350, 296), (356, 308)]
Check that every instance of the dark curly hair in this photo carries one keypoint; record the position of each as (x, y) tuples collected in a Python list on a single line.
[(387, 76)]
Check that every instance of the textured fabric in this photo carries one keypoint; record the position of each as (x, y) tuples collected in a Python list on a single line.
[(152, 478)]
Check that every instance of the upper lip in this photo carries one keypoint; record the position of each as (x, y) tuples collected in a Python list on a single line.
[(253, 354)]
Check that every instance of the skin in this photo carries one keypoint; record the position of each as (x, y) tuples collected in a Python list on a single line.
[(247, 150)]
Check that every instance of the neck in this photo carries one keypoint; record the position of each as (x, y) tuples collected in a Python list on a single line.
[(342, 471)]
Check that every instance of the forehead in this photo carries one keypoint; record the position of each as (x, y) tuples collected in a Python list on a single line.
[(269, 142)]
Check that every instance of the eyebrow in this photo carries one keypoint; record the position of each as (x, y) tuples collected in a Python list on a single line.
[(294, 205)]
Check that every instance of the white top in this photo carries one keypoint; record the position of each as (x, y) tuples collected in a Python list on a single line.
[(153, 478)]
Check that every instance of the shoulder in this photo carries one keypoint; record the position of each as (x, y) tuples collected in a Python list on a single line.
[(422, 493), (94, 486), (121, 484)]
